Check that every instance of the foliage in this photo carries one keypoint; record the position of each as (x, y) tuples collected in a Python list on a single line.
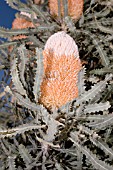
[(79, 134)]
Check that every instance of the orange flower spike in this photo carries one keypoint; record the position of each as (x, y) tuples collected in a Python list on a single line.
[(21, 23), (38, 1), (75, 8), (61, 68)]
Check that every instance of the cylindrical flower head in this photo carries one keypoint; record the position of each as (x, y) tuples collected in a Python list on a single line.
[(61, 68), (38, 1), (75, 8), (21, 23)]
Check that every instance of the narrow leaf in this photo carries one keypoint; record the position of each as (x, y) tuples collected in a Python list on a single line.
[(38, 74), (25, 102), (89, 95), (102, 53), (15, 78), (97, 107), (98, 164), (23, 56), (108, 121), (11, 163), (19, 130), (27, 158), (101, 71), (81, 79)]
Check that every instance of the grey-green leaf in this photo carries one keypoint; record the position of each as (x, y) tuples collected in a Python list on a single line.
[(39, 74)]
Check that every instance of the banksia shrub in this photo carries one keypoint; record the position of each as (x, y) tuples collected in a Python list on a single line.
[(75, 8), (54, 114), (61, 65)]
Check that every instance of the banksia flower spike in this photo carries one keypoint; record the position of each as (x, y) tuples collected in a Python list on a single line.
[(75, 8), (61, 68), (38, 1), (21, 23)]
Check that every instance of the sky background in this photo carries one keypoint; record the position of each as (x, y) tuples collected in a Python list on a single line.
[(7, 15)]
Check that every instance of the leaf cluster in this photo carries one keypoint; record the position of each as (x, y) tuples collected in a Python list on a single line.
[(77, 135)]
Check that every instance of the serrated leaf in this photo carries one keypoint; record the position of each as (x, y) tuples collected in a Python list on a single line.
[(15, 78), (19, 130), (27, 103), (15, 4), (6, 33), (6, 44), (37, 10), (108, 121), (97, 141), (25, 155), (104, 29), (89, 95), (94, 117), (39, 74), (45, 115), (103, 146), (11, 163), (97, 107), (51, 131), (101, 71), (23, 56), (102, 53), (81, 87), (98, 164)]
